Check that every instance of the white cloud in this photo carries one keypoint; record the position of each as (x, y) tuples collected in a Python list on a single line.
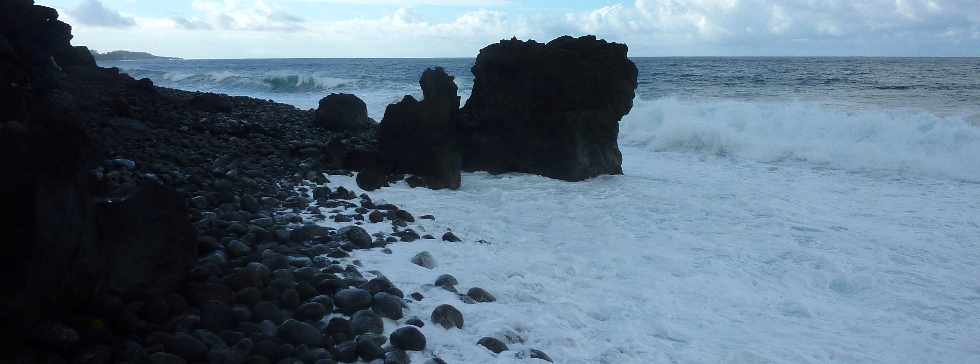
[(255, 15), (762, 24), (255, 28), (408, 3), (93, 13)]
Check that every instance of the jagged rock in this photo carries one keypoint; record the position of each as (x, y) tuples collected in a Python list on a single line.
[(343, 112), (418, 137), (549, 109)]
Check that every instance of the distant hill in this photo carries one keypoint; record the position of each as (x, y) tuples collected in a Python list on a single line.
[(125, 55)]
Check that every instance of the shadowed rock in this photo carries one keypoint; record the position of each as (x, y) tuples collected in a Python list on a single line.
[(418, 137), (343, 112), (549, 109)]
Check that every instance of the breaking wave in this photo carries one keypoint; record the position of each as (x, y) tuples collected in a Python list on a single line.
[(275, 82), (876, 141)]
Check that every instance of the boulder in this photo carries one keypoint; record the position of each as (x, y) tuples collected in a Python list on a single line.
[(418, 137), (343, 112), (549, 109), (448, 317), (408, 338)]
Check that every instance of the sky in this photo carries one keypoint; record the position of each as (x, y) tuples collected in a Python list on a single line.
[(460, 28)]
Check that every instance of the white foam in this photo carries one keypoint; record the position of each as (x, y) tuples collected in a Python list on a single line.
[(879, 141), (694, 259)]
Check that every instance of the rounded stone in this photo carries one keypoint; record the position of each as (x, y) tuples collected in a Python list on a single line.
[(424, 259), (387, 305), (408, 338), (310, 311), (366, 322), (492, 344), (448, 317), (351, 300), (446, 281), (300, 333), (480, 295)]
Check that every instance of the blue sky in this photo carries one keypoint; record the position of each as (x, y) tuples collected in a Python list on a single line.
[(459, 28)]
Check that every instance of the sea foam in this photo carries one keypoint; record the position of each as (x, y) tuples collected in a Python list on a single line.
[(906, 142)]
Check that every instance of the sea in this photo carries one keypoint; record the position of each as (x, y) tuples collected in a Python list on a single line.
[(771, 210)]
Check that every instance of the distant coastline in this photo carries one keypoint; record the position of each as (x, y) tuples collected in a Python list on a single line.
[(126, 56)]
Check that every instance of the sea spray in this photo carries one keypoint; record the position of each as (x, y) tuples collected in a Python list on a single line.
[(919, 143)]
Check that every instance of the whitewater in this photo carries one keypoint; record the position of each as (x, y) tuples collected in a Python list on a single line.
[(817, 220), (702, 257)]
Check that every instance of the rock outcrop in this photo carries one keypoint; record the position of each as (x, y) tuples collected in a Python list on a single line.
[(71, 232), (419, 137), (343, 112), (549, 109)]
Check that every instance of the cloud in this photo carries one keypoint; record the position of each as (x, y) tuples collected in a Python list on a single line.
[(257, 28), (191, 24), (255, 15), (408, 3), (763, 24), (93, 13)]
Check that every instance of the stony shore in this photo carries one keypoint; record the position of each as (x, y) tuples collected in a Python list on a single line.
[(153, 225)]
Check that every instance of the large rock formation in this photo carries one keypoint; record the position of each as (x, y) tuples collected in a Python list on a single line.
[(549, 109), (418, 137), (69, 233)]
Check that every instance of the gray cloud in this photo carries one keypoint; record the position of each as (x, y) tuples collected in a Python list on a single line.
[(249, 16), (790, 27), (192, 24), (92, 12)]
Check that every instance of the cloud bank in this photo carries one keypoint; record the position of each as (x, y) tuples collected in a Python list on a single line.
[(93, 13), (257, 28)]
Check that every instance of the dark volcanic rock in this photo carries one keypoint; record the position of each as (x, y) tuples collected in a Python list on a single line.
[(368, 349), (299, 333), (346, 352), (448, 317), (311, 311), (342, 112), (418, 137), (446, 281), (387, 305), (492, 344), (408, 338), (366, 322), (147, 240), (352, 300), (538, 354), (424, 259), (356, 235), (550, 109), (187, 347), (480, 295), (450, 237)]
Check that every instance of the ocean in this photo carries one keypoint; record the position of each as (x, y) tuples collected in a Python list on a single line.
[(772, 210)]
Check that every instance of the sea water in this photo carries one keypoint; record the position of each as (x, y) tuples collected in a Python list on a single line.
[(772, 210)]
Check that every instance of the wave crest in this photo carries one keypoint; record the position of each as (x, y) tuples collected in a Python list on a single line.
[(903, 142)]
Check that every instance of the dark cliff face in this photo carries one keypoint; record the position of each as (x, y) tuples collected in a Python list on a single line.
[(550, 109), (61, 233)]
